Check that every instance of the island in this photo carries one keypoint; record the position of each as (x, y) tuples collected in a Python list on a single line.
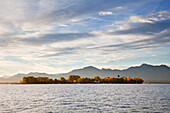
[(76, 79)]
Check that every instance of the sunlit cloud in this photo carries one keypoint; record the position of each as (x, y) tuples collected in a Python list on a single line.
[(61, 35), (105, 13)]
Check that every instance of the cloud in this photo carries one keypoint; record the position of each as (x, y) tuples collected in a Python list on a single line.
[(62, 25), (139, 19), (132, 20), (54, 38), (138, 33), (152, 18), (118, 8), (18, 67), (44, 15), (46, 33), (57, 52), (153, 35), (105, 13), (42, 39), (146, 28), (151, 42)]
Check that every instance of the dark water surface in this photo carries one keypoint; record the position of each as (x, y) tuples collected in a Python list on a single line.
[(94, 98)]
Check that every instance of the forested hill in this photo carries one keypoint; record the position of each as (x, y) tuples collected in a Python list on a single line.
[(144, 71)]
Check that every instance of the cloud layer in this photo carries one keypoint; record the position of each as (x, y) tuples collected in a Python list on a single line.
[(42, 35)]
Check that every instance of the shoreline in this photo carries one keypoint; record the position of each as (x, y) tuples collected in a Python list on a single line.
[(94, 83)]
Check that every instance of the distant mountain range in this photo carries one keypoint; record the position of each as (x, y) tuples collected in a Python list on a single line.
[(147, 72)]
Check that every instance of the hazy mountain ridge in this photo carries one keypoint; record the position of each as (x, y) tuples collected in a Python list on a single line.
[(144, 71)]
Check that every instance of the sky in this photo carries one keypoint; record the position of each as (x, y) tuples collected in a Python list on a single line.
[(56, 36)]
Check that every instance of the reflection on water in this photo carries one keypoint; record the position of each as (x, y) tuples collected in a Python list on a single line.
[(85, 98)]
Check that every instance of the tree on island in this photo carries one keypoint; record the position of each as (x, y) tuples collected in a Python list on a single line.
[(97, 78), (78, 79), (62, 79), (73, 78)]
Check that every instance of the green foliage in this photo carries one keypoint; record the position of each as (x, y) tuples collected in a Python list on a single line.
[(62, 79)]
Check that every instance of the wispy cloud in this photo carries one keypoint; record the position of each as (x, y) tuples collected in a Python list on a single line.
[(146, 28), (84, 32), (105, 13), (54, 38)]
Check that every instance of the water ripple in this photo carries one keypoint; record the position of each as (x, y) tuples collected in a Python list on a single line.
[(93, 98)]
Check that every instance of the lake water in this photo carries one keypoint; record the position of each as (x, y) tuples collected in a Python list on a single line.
[(93, 98)]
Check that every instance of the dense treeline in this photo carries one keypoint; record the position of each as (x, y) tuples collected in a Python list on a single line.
[(78, 79)]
